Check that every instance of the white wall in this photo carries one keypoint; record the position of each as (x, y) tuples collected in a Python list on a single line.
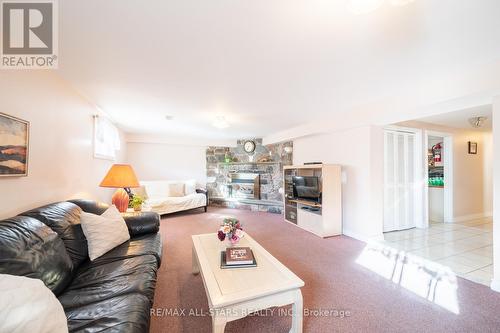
[(495, 284), (469, 180), (488, 172), (61, 163), (153, 161), (360, 152)]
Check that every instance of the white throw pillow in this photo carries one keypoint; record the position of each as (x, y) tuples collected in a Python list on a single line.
[(27, 305), (104, 232), (156, 188), (190, 187), (141, 191), (176, 189)]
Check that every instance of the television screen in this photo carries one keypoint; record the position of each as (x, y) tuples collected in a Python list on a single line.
[(306, 187)]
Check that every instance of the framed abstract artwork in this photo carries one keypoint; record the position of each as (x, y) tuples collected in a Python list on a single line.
[(14, 146)]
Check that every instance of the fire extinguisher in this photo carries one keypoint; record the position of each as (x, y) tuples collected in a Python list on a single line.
[(436, 151)]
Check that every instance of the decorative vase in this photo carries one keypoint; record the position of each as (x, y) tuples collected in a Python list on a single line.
[(230, 244)]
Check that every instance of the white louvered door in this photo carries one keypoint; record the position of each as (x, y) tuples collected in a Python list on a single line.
[(399, 180)]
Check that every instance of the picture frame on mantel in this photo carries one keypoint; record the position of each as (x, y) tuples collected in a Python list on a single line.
[(14, 146), (472, 148)]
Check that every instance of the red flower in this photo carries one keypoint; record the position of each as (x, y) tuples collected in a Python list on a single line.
[(221, 235)]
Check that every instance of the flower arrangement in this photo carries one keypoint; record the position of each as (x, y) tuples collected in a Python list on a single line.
[(230, 230)]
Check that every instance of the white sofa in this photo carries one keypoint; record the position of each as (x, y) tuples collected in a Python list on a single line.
[(165, 197)]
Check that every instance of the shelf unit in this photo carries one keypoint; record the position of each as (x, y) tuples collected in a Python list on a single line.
[(323, 219), (306, 203)]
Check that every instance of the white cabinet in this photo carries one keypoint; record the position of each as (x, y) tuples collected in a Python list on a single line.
[(311, 221), (323, 218), (436, 204)]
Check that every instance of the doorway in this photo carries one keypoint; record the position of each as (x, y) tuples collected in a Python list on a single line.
[(436, 176), (438, 187)]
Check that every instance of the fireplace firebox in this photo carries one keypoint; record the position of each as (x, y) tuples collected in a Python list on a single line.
[(244, 185)]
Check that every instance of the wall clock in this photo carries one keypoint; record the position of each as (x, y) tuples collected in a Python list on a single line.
[(249, 146)]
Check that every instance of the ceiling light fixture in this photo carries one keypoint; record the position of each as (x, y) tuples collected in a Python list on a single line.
[(169, 117), (477, 122), (220, 122)]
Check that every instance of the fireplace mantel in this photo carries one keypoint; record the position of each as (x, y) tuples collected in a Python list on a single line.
[(248, 163)]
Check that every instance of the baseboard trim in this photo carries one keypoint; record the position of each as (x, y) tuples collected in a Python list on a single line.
[(464, 218), (363, 238), (495, 285)]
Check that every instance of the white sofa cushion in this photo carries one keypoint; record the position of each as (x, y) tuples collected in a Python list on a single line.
[(156, 188), (190, 187), (27, 305), (168, 205), (176, 189), (104, 232), (141, 191)]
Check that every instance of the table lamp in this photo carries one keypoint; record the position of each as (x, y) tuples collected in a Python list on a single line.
[(120, 176)]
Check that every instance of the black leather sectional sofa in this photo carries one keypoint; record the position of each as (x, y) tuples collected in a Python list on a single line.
[(114, 293)]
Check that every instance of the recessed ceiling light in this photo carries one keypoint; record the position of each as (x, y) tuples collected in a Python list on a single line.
[(220, 122), (169, 117), (364, 6)]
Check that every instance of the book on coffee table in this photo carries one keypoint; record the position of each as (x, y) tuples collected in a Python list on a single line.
[(237, 257)]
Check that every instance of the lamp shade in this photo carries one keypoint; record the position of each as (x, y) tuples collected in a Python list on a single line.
[(120, 175)]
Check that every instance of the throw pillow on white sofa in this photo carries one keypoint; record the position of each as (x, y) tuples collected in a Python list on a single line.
[(156, 188), (141, 191), (176, 189), (104, 232), (27, 305), (190, 187)]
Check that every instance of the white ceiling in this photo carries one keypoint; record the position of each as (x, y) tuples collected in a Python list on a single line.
[(267, 65), (460, 119)]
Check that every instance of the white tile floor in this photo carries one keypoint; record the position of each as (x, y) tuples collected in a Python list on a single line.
[(466, 247)]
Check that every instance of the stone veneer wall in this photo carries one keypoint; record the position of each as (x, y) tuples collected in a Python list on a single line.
[(268, 161)]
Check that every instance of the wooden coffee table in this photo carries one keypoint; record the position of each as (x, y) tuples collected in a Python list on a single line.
[(237, 292)]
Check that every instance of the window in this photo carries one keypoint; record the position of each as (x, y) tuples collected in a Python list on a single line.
[(106, 138)]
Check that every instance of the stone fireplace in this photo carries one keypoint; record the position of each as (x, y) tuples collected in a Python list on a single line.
[(254, 181)]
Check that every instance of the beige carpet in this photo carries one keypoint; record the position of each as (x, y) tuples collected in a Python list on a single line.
[(335, 279)]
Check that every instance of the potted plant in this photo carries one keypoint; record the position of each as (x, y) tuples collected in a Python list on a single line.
[(137, 202)]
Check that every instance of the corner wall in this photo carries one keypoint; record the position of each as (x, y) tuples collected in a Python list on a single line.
[(360, 152), (61, 163)]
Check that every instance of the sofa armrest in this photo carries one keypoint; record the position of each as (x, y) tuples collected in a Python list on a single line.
[(203, 191), (142, 223), (137, 223), (90, 206)]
